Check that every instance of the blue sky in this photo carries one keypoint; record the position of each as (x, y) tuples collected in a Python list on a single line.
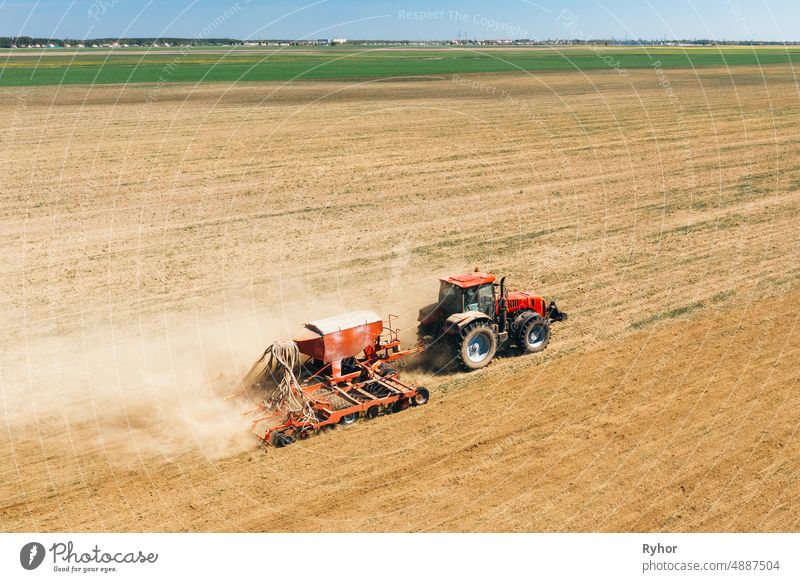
[(404, 19)]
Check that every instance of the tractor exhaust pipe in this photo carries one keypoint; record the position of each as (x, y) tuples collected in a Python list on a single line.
[(503, 306)]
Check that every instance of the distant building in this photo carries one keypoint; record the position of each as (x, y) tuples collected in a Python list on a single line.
[(338, 41)]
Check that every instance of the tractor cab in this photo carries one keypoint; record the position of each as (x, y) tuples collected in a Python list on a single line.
[(460, 294), (471, 292)]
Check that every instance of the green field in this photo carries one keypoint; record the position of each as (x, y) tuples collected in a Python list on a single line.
[(193, 66)]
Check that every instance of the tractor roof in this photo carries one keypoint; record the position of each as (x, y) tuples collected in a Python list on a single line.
[(469, 279)]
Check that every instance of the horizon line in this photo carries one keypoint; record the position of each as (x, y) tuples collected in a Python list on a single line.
[(398, 40)]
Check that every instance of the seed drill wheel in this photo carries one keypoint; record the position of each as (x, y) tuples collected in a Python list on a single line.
[(349, 419), (387, 371), (372, 412), (421, 397), (399, 405), (534, 335), (477, 345), (280, 440)]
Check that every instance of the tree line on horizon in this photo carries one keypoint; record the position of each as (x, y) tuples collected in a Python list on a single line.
[(29, 41)]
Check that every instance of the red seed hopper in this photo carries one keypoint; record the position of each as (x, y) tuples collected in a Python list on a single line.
[(334, 339)]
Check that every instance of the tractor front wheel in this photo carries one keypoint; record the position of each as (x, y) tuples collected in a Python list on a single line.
[(534, 335), (477, 344)]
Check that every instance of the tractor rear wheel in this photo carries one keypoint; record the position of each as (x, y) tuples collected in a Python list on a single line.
[(477, 345), (534, 335)]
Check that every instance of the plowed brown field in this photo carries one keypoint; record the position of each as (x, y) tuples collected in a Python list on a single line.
[(155, 238)]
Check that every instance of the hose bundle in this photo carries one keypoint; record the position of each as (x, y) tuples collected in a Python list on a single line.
[(277, 370)]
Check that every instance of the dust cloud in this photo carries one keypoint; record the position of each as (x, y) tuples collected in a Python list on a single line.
[(158, 390), (135, 394)]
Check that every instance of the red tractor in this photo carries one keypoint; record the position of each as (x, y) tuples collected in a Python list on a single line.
[(475, 317)]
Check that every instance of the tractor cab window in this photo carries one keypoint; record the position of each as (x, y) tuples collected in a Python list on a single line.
[(480, 299), (486, 299), (471, 299), (450, 298)]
